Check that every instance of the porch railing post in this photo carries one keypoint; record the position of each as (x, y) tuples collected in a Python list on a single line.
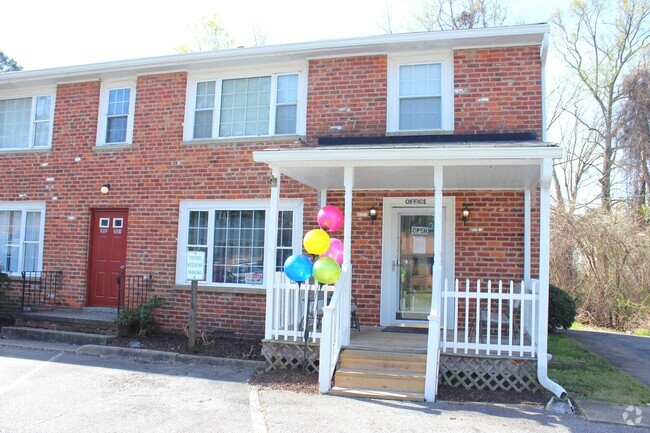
[(270, 250)]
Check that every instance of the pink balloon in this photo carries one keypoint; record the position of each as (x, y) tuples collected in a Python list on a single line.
[(335, 251), (330, 218)]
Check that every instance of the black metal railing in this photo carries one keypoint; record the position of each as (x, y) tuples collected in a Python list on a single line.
[(133, 290), (40, 288)]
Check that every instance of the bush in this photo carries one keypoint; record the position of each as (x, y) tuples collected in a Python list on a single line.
[(140, 319), (561, 309)]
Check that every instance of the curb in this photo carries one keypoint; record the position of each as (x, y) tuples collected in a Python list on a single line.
[(169, 357)]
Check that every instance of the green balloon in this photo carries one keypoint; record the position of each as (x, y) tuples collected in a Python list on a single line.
[(326, 270)]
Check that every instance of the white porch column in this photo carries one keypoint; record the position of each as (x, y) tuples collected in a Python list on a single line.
[(544, 251), (527, 236), (270, 250), (322, 198), (433, 350), (348, 183)]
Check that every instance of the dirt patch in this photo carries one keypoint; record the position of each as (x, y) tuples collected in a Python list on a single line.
[(287, 380), (220, 347), (511, 397)]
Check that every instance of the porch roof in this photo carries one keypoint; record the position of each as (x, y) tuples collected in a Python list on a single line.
[(476, 165)]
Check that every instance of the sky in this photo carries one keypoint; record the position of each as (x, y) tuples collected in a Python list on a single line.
[(45, 34)]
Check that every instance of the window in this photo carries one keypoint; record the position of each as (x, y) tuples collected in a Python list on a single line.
[(116, 115), (245, 107), (419, 97), (232, 234), (26, 122), (21, 236), (420, 94)]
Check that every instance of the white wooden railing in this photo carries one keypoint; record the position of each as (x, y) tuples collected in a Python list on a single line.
[(291, 301), (490, 318), (336, 330)]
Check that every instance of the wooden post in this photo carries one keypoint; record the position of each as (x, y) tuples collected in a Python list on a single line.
[(191, 333)]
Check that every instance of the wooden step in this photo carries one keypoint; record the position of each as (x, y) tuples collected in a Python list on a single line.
[(373, 393), (353, 359), (380, 380)]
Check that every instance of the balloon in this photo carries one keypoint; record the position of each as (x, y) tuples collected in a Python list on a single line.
[(335, 251), (330, 218), (316, 241), (298, 267), (326, 270)]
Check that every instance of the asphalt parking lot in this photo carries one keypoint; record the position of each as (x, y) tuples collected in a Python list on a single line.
[(55, 391)]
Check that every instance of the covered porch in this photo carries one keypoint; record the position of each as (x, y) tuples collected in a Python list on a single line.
[(501, 314)]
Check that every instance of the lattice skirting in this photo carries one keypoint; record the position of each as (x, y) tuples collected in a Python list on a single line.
[(282, 354), (481, 372)]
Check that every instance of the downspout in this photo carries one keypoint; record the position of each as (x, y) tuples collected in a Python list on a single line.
[(544, 250)]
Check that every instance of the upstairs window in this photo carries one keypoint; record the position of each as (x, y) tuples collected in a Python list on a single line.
[(245, 107), (420, 93), (116, 115), (420, 97), (26, 122)]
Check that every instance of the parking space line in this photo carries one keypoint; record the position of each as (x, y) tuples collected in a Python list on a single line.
[(30, 373), (257, 416)]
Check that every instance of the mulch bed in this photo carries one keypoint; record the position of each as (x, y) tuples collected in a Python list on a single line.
[(286, 380), (220, 347), (474, 395)]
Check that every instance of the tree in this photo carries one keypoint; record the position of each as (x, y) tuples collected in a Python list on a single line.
[(8, 64), (209, 35), (461, 14), (634, 134), (598, 45)]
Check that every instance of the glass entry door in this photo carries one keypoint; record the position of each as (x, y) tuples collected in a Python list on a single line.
[(414, 264)]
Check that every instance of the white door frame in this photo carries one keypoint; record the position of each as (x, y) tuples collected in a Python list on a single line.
[(389, 292)]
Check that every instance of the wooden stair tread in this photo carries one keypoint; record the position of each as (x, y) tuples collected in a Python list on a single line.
[(372, 393), (382, 355), (380, 373)]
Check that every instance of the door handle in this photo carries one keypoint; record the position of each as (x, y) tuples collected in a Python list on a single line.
[(396, 264)]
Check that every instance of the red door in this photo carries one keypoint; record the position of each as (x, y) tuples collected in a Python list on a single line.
[(107, 255)]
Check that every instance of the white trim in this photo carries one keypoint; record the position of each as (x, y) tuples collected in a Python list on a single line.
[(446, 60), (527, 236), (210, 205), (24, 207), (405, 156), (102, 122), (390, 208), (273, 71), (511, 35)]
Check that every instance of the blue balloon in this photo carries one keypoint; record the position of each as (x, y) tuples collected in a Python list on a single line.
[(298, 267)]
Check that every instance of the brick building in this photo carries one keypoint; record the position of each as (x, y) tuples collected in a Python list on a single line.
[(136, 163)]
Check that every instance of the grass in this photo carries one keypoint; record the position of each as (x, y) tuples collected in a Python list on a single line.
[(586, 376), (643, 332)]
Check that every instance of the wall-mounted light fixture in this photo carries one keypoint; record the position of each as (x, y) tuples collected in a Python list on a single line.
[(372, 213), (465, 214), (105, 188)]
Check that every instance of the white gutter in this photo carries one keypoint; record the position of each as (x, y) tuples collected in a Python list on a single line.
[(320, 157), (454, 38), (544, 55)]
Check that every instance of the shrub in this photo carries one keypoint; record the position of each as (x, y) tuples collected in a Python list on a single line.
[(5, 281), (140, 319), (561, 309)]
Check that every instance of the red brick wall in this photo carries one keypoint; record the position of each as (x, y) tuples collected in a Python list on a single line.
[(510, 78), (149, 179), (349, 93)]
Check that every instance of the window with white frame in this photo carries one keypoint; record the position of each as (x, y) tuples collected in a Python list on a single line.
[(232, 235), (116, 114), (241, 107), (21, 236), (420, 94), (26, 122)]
